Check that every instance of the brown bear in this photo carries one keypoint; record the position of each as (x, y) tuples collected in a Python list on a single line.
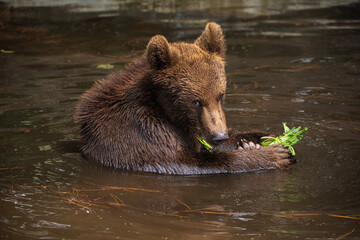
[(148, 117)]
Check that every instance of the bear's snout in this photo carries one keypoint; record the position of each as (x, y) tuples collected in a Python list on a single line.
[(214, 124), (219, 137)]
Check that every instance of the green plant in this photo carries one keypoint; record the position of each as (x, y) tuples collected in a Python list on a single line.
[(289, 138), (205, 144)]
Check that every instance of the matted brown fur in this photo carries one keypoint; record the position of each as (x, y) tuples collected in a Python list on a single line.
[(148, 117)]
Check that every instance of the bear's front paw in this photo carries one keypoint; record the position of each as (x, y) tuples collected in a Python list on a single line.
[(281, 155), (249, 146)]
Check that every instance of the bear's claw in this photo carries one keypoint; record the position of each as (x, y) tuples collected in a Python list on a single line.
[(249, 146)]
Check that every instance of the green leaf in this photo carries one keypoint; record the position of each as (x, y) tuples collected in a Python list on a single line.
[(285, 127), (205, 144)]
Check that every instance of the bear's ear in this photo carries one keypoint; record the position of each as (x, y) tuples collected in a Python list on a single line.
[(159, 53), (212, 40)]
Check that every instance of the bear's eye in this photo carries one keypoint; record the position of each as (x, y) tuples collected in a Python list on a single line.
[(222, 97), (197, 104)]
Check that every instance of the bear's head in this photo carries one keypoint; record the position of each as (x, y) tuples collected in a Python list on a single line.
[(189, 83)]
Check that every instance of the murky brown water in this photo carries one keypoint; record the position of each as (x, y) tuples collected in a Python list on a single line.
[(293, 61)]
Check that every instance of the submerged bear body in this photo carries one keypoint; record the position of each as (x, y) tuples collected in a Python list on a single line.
[(148, 117)]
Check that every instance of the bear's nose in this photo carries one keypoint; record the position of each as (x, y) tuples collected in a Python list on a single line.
[(219, 137)]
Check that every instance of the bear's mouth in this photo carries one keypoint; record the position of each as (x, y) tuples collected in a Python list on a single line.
[(214, 141)]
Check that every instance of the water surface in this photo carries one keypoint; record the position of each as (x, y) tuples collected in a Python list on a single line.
[(293, 61)]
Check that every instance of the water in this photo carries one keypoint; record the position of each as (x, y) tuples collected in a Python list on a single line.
[(293, 61)]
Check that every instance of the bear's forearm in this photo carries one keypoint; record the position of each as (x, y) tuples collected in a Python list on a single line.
[(270, 157)]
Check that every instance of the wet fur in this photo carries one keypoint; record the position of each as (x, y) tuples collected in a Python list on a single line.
[(143, 118)]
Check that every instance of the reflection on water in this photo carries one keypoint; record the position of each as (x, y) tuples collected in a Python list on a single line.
[(293, 61), (255, 7)]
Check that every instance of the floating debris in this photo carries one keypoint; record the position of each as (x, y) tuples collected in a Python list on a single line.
[(105, 66)]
